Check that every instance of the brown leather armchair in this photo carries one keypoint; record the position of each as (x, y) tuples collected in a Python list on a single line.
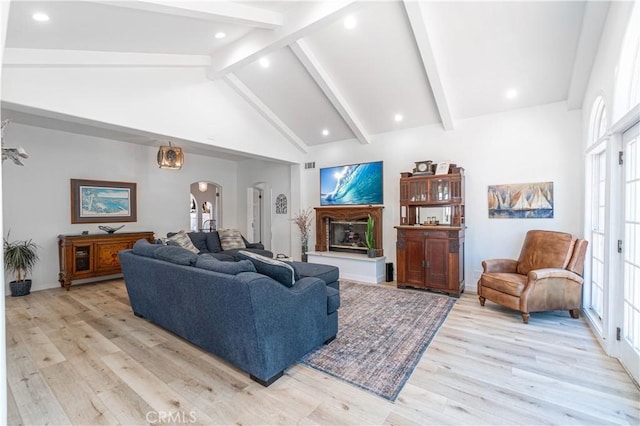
[(546, 277)]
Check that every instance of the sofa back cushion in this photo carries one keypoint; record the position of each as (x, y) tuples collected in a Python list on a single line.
[(182, 239), (213, 242), (199, 239), (230, 239), (143, 247), (279, 271), (175, 254), (545, 249), (232, 268)]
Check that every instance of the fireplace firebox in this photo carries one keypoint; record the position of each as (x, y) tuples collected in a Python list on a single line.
[(347, 236)]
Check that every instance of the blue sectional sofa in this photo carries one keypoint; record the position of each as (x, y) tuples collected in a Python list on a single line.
[(209, 242), (249, 319)]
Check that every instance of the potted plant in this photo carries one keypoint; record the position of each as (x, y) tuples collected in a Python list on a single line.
[(20, 257), (369, 239)]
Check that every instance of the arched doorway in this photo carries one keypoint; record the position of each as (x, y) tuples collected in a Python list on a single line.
[(206, 206)]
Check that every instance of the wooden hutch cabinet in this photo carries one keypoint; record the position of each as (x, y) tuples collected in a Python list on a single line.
[(89, 256), (430, 250)]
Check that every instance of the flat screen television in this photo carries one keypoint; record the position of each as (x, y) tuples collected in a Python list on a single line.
[(353, 184)]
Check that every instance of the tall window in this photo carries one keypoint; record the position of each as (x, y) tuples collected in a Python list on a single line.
[(597, 166), (627, 84)]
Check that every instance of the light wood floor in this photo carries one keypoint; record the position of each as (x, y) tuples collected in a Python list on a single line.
[(81, 357)]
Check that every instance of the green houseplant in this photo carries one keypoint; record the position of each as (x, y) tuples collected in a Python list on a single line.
[(19, 258), (369, 239)]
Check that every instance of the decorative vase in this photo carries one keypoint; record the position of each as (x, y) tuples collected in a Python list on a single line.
[(372, 253), (305, 248), (20, 288)]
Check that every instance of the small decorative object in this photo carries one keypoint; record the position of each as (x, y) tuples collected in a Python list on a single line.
[(15, 154), (369, 239), (108, 229), (281, 204), (85, 232), (303, 219), (423, 168), (524, 200), (442, 169), (98, 201), (20, 257), (170, 157)]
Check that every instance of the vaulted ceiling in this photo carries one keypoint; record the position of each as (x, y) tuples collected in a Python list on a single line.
[(322, 72)]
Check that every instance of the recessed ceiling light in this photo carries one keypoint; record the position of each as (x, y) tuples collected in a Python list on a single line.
[(220, 35), (325, 132), (398, 117), (40, 17), (350, 22), (264, 63), (511, 93)]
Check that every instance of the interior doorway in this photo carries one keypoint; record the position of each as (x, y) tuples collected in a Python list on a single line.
[(259, 214), (205, 206)]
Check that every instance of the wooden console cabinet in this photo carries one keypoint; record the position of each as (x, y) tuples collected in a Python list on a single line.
[(89, 256), (430, 255)]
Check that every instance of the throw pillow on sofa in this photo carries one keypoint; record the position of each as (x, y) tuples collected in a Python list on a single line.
[(183, 240), (232, 268), (231, 239), (279, 271), (175, 254)]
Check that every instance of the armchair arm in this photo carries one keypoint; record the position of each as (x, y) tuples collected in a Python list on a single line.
[(550, 273), (550, 289), (499, 265)]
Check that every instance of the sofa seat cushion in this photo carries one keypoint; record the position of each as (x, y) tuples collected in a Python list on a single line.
[(182, 239), (230, 239), (143, 247), (175, 254), (503, 282), (326, 273), (210, 263), (279, 271), (333, 300)]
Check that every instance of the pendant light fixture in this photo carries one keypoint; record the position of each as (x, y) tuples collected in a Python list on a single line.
[(203, 186), (170, 157)]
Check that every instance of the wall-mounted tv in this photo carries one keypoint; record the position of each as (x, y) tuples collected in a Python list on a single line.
[(353, 184)]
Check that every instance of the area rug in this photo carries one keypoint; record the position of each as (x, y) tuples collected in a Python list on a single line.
[(382, 333)]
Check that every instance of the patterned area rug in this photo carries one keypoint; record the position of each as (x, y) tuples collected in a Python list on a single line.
[(382, 333)]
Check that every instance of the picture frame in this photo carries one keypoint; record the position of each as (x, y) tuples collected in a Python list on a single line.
[(442, 169), (100, 201)]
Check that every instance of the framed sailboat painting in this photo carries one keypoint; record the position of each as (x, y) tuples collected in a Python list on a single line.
[(521, 200)]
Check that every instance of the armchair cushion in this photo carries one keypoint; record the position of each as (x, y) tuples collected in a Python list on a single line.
[(545, 249), (512, 284)]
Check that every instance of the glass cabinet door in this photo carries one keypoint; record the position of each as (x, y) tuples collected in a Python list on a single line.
[(439, 190)]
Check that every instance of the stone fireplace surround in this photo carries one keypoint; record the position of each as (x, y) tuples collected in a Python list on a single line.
[(347, 213)]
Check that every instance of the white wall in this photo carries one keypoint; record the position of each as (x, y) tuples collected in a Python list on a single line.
[(528, 145), (36, 197), (604, 70), (275, 176), (176, 102)]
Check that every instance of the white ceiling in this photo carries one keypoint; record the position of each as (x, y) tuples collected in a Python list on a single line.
[(433, 62)]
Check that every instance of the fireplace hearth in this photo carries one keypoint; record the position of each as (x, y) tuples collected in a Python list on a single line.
[(342, 229)]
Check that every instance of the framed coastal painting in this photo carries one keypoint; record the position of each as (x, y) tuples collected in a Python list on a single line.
[(100, 201), (521, 200)]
